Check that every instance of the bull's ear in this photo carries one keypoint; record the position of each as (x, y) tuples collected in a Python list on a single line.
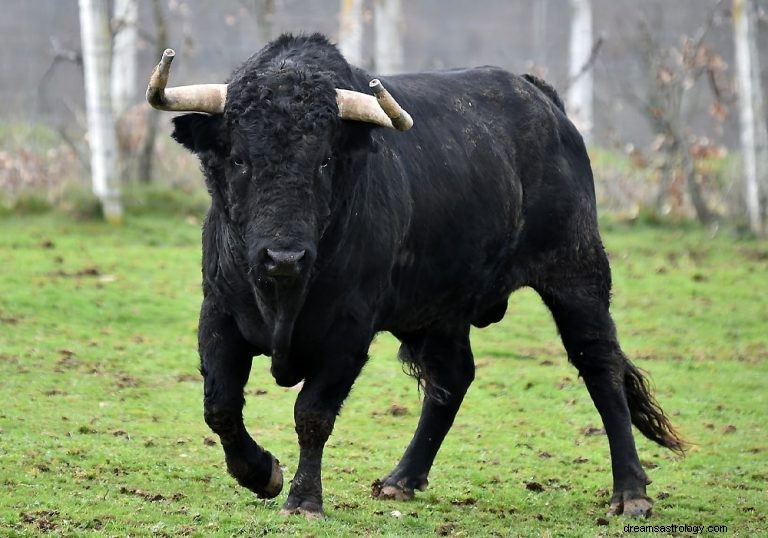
[(199, 132)]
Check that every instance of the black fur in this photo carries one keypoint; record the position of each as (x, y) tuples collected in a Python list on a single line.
[(420, 233)]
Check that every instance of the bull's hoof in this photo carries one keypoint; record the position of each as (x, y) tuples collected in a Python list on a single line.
[(307, 508), (401, 490), (248, 478), (630, 505), (275, 484)]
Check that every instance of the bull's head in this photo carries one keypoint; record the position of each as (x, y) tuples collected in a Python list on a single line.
[(270, 142)]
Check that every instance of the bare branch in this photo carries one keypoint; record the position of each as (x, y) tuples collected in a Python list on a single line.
[(587, 65)]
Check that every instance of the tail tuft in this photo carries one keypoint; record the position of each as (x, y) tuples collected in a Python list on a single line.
[(646, 413)]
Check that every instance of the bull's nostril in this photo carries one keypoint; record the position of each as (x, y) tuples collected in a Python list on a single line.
[(283, 263)]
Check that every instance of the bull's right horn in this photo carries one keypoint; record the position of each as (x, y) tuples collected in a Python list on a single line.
[(208, 98)]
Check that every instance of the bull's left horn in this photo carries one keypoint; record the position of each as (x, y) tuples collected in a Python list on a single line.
[(380, 110), (208, 98)]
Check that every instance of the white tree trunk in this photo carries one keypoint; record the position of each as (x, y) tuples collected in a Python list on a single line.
[(388, 44), (540, 37), (95, 36), (581, 88), (754, 138), (351, 31), (124, 49)]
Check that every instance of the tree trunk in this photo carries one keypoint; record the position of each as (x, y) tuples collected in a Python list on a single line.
[(124, 48), (95, 36), (351, 31), (388, 45), (125, 38), (540, 37), (581, 88), (754, 139), (147, 154), (703, 213), (265, 12)]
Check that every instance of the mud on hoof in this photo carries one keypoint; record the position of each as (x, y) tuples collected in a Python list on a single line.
[(307, 508), (401, 490), (247, 477), (630, 505)]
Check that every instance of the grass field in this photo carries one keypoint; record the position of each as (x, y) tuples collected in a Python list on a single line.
[(101, 429)]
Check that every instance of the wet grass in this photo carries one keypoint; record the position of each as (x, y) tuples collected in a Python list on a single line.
[(101, 429)]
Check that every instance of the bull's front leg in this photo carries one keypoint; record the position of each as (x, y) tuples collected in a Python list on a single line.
[(225, 362), (315, 412)]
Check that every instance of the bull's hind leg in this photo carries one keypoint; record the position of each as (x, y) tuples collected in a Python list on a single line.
[(445, 365), (577, 293), (225, 364)]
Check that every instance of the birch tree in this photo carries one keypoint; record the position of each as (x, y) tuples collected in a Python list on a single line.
[(754, 138), (351, 31), (388, 43), (124, 49), (581, 87), (95, 37)]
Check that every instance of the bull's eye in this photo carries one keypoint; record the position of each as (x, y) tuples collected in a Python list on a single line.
[(237, 162), (324, 164)]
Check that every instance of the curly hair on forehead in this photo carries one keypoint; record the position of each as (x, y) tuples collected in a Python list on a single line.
[(288, 100)]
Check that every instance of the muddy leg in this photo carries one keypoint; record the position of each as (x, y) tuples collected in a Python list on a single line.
[(315, 412), (445, 363), (225, 364), (579, 305)]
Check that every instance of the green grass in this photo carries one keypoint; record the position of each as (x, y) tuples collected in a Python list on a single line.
[(101, 429)]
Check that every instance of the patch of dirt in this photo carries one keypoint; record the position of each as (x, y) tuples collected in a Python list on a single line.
[(209, 441), (397, 410), (42, 520), (469, 501), (445, 529), (124, 381), (565, 382), (534, 486), (556, 484), (592, 430), (150, 497), (8, 320), (90, 271), (345, 506), (10, 359), (182, 378)]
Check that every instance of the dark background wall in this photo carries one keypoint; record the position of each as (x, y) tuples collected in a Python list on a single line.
[(211, 37)]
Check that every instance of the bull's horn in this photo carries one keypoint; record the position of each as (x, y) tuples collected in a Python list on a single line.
[(381, 110), (208, 98)]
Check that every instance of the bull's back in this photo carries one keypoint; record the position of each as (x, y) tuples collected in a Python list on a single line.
[(485, 151)]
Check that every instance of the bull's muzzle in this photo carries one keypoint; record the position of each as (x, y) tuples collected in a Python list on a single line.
[(284, 263)]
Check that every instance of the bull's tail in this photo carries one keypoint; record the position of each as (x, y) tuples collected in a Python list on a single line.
[(646, 413)]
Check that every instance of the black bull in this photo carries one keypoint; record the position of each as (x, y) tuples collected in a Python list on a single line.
[(323, 232)]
